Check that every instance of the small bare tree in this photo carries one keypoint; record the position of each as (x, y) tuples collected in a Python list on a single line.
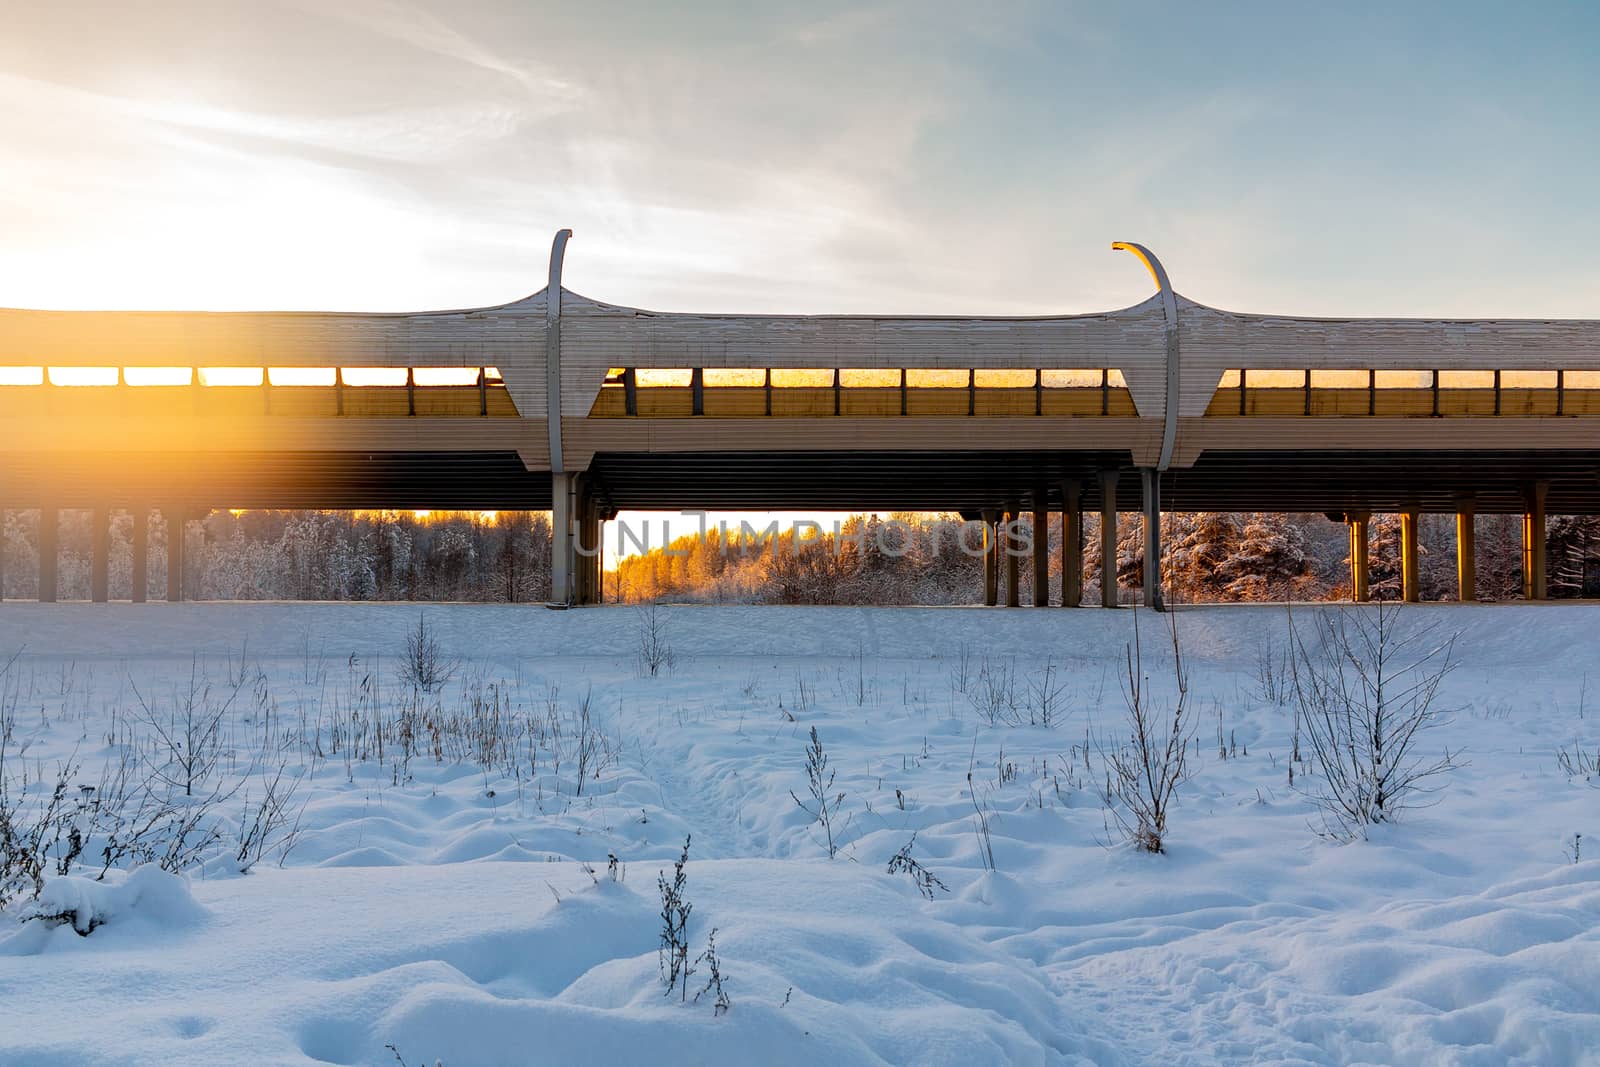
[(190, 738), (655, 650), (425, 667), (1144, 773), (1045, 695), (1367, 696)]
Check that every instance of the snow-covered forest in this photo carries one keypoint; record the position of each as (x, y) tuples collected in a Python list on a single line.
[(505, 557), (306, 555), (1208, 557)]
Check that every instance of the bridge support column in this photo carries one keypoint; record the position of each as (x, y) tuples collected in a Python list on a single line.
[(1009, 545), (580, 527), (563, 560), (1041, 551), (1153, 597), (1410, 577), (1360, 556), (590, 530), (1466, 549), (597, 573), (1108, 538), (586, 546), (1533, 538), (141, 554), (1072, 545), (991, 561), (177, 518), (100, 555), (49, 531)]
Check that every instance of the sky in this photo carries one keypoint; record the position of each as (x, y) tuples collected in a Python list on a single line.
[(1335, 159)]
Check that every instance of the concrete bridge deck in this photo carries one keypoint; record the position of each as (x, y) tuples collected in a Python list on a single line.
[(562, 402)]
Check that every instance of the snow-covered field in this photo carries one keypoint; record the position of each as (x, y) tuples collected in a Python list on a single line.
[(439, 898)]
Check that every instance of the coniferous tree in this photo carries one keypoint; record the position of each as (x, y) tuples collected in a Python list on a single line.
[(1270, 562), (1573, 553), (1200, 545), (1384, 567)]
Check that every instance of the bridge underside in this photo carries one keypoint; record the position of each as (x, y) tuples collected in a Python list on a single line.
[(965, 481), (972, 482), (1000, 487), (320, 480)]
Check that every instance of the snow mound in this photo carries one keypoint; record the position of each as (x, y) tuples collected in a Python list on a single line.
[(147, 894), (824, 963), (1506, 976)]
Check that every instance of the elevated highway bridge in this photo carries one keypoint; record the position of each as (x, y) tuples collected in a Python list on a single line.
[(565, 403)]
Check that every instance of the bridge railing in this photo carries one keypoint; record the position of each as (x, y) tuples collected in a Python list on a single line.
[(1407, 393), (860, 392), (166, 392)]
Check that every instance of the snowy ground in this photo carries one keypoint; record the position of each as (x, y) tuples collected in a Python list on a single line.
[(440, 903)]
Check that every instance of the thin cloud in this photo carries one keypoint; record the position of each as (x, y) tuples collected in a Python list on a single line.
[(413, 25)]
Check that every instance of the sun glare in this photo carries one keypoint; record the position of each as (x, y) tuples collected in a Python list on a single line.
[(83, 375), (231, 376), (158, 375), (445, 375), (301, 375), (21, 375), (372, 376)]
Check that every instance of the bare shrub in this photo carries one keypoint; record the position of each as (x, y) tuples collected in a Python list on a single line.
[(401, 1060), (672, 956), (154, 825), (1367, 697), (138, 815), (593, 749), (825, 803), (804, 695), (1274, 681), (720, 1003), (1576, 763), (1143, 774), (272, 825), (993, 693), (854, 687), (961, 669), (10, 696), (36, 838), (925, 880), (980, 824), (426, 667), (655, 649)]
